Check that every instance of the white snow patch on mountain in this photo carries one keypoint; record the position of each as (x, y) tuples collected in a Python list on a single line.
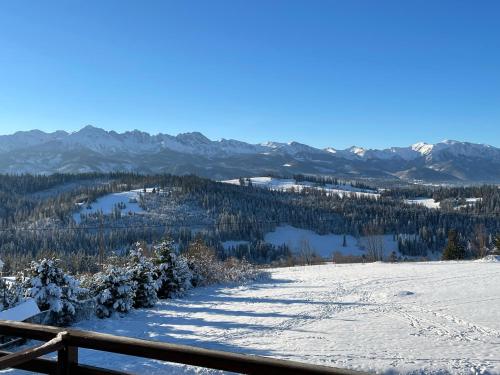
[(422, 148)]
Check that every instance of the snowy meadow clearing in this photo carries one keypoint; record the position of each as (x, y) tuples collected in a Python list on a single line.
[(107, 204), (327, 244), (435, 317), (283, 184)]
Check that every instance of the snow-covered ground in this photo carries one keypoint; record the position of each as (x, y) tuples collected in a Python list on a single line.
[(418, 318), (427, 202), (469, 202), (324, 245), (473, 200), (107, 203), (290, 184), (431, 203), (21, 312)]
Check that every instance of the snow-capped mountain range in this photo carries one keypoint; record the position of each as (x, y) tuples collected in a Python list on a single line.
[(95, 149)]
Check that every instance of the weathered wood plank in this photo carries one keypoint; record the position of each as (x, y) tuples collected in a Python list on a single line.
[(15, 341), (245, 364), (18, 358), (48, 366), (28, 330), (39, 365)]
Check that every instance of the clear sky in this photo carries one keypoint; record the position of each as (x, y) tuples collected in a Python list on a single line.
[(325, 73)]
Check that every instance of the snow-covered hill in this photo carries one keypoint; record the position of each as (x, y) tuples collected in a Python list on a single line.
[(407, 318), (94, 149), (283, 184)]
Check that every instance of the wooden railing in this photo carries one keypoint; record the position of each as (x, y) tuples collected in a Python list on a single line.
[(67, 341)]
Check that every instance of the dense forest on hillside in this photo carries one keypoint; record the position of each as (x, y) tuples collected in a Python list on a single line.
[(37, 215)]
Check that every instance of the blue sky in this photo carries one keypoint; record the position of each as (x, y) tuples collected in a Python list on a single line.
[(326, 73)]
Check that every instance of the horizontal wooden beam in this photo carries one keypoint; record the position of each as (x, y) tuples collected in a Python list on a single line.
[(17, 341), (18, 358), (245, 364), (48, 366), (39, 365), (226, 361), (28, 330)]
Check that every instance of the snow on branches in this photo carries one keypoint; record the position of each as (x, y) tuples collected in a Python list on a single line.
[(114, 290), (136, 281), (144, 276), (174, 274), (52, 288)]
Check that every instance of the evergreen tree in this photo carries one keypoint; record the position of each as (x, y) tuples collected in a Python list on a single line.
[(144, 277), (454, 250), (10, 294), (114, 290), (52, 289), (174, 275)]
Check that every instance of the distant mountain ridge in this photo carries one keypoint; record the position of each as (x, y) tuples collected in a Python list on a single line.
[(95, 149)]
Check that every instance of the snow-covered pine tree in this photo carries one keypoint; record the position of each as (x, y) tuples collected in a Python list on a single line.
[(4, 291), (114, 290), (11, 293), (5, 295), (52, 289), (144, 275), (174, 275)]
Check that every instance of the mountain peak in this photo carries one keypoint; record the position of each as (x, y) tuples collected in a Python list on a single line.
[(89, 129), (450, 141), (193, 137), (93, 148)]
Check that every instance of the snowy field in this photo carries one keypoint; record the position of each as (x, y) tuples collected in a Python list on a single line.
[(107, 203), (324, 245), (427, 202), (409, 318), (431, 203), (290, 184)]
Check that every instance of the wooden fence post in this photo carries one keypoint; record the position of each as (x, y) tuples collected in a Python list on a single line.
[(66, 358)]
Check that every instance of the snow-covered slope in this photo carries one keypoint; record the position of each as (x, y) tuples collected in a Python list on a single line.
[(94, 149), (407, 318), (282, 184), (326, 245), (126, 203), (427, 202)]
